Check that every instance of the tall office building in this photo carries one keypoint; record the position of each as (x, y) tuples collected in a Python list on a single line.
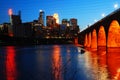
[(74, 25), (16, 20), (10, 29), (73, 22), (41, 18), (10, 13), (16, 24), (50, 21), (65, 22), (56, 16)]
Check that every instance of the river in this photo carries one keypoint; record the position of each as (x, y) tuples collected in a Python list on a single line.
[(58, 62)]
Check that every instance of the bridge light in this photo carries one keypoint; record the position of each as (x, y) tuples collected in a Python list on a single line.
[(95, 20), (116, 6), (103, 14), (41, 10)]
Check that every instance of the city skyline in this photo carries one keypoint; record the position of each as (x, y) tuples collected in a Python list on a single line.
[(87, 12)]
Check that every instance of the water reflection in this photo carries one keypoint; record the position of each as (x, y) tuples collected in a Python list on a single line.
[(11, 72), (91, 65), (104, 63), (95, 62), (56, 63), (113, 61), (59, 62)]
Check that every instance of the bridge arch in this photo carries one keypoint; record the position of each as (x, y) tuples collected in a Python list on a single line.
[(94, 39), (101, 37), (114, 34)]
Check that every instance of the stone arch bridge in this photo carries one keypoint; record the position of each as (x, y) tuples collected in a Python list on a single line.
[(104, 33)]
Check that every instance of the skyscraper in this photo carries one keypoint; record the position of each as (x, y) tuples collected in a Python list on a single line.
[(16, 24), (10, 13), (16, 20), (41, 18), (73, 22), (50, 21), (74, 25), (56, 16), (65, 22), (10, 29)]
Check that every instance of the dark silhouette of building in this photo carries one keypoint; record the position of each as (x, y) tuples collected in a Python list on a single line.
[(73, 23), (16, 19), (5, 28), (50, 21), (16, 24), (65, 22)]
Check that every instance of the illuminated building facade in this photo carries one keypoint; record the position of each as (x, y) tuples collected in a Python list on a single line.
[(41, 18), (56, 16)]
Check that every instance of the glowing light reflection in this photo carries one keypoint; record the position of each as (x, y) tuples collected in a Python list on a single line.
[(56, 65), (11, 72), (114, 63), (102, 63)]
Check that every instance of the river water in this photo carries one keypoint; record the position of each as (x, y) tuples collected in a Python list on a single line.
[(58, 62)]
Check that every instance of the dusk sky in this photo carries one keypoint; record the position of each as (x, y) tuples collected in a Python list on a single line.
[(86, 11)]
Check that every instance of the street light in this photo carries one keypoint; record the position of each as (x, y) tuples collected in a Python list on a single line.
[(95, 20), (103, 14), (116, 6)]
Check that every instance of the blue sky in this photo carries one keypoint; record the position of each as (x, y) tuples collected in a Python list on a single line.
[(86, 11)]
